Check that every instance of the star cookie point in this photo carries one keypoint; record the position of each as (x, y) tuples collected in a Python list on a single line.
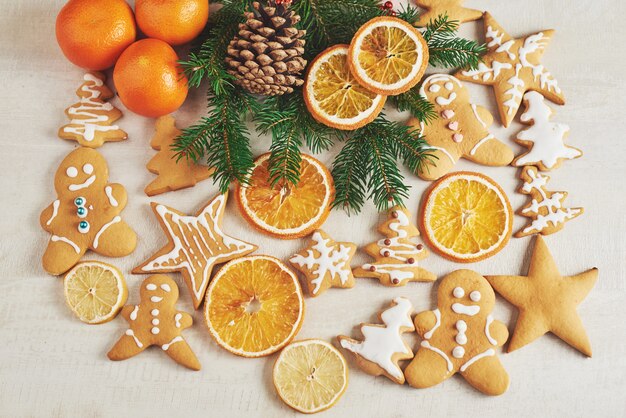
[(451, 8)]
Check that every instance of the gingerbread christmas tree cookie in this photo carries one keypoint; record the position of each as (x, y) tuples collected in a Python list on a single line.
[(325, 263), (545, 208), (397, 256), (156, 321), (512, 66), (547, 301), (382, 346), (460, 131), (92, 118), (196, 244), (172, 174), (460, 336), (452, 8), (544, 138), (86, 214)]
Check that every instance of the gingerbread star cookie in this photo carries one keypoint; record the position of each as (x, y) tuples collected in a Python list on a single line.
[(325, 263), (547, 301), (382, 346), (512, 67), (545, 208), (155, 321), (172, 174), (92, 118), (460, 336), (544, 138), (451, 8), (397, 256), (86, 214), (461, 131), (196, 244)]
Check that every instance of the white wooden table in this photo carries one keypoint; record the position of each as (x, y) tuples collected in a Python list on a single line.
[(53, 365)]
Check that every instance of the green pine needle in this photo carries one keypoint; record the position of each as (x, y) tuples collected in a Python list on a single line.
[(447, 49), (415, 103)]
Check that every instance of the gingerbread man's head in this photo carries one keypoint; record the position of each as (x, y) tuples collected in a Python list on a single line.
[(465, 293), (444, 91), (83, 168), (159, 289)]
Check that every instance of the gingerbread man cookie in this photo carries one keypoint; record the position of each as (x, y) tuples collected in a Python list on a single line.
[(450, 8), (544, 138), (382, 346), (396, 256), (325, 263), (86, 214), (460, 336), (155, 321), (512, 67), (92, 118), (461, 131)]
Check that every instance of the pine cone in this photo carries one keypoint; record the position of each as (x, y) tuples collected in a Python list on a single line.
[(266, 55)]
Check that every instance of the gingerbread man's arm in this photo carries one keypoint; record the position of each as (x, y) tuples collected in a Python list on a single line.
[(424, 322), (499, 332), (46, 216), (119, 194), (126, 311), (484, 115), (186, 321)]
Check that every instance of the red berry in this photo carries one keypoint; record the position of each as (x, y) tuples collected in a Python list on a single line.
[(388, 5)]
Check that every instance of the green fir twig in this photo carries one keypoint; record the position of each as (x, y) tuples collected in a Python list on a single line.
[(447, 49)]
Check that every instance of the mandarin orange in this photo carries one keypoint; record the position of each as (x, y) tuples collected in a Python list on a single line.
[(173, 21)]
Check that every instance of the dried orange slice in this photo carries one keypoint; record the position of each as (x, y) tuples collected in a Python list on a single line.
[(334, 97), (310, 376), (467, 217), (286, 211), (95, 291), (388, 55), (254, 306)]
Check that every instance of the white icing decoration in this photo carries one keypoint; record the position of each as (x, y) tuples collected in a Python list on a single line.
[(180, 258), (427, 345), (487, 333), (445, 101), (506, 47), (469, 310), (174, 340), (488, 353), (477, 115), (434, 88), (458, 292), (437, 78), (130, 333), (155, 330), (55, 211), (381, 343), (87, 183), (154, 312), (481, 143), (71, 172), (56, 238), (429, 334), (475, 296), (151, 286), (133, 314), (177, 319), (109, 192), (166, 287), (88, 169), (330, 262), (156, 299), (445, 151), (449, 86), (85, 229), (90, 122), (516, 92), (556, 213), (104, 228), (547, 137), (458, 352), (461, 337), (155, 321)]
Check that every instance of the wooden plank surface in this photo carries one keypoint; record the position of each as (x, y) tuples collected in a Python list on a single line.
[(53, 365)]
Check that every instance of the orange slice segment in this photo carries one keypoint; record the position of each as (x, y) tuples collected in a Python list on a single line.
[(95, 291), (254, 306), (388, 55), (467, 217), (286, 211), (310, 376), (334, 97)]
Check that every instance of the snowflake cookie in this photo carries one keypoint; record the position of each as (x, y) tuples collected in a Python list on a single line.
[(325, 263), (382, 346)]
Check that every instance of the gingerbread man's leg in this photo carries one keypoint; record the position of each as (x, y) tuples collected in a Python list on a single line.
[(426, 369), (126, 347), (61, 255), (115, 239), (181, 353), (441, 163), (488, 376)]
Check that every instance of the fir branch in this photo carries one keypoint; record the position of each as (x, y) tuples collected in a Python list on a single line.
[(415, 103), (386, 183), (408, 13), (350, 174), (447, 49)]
